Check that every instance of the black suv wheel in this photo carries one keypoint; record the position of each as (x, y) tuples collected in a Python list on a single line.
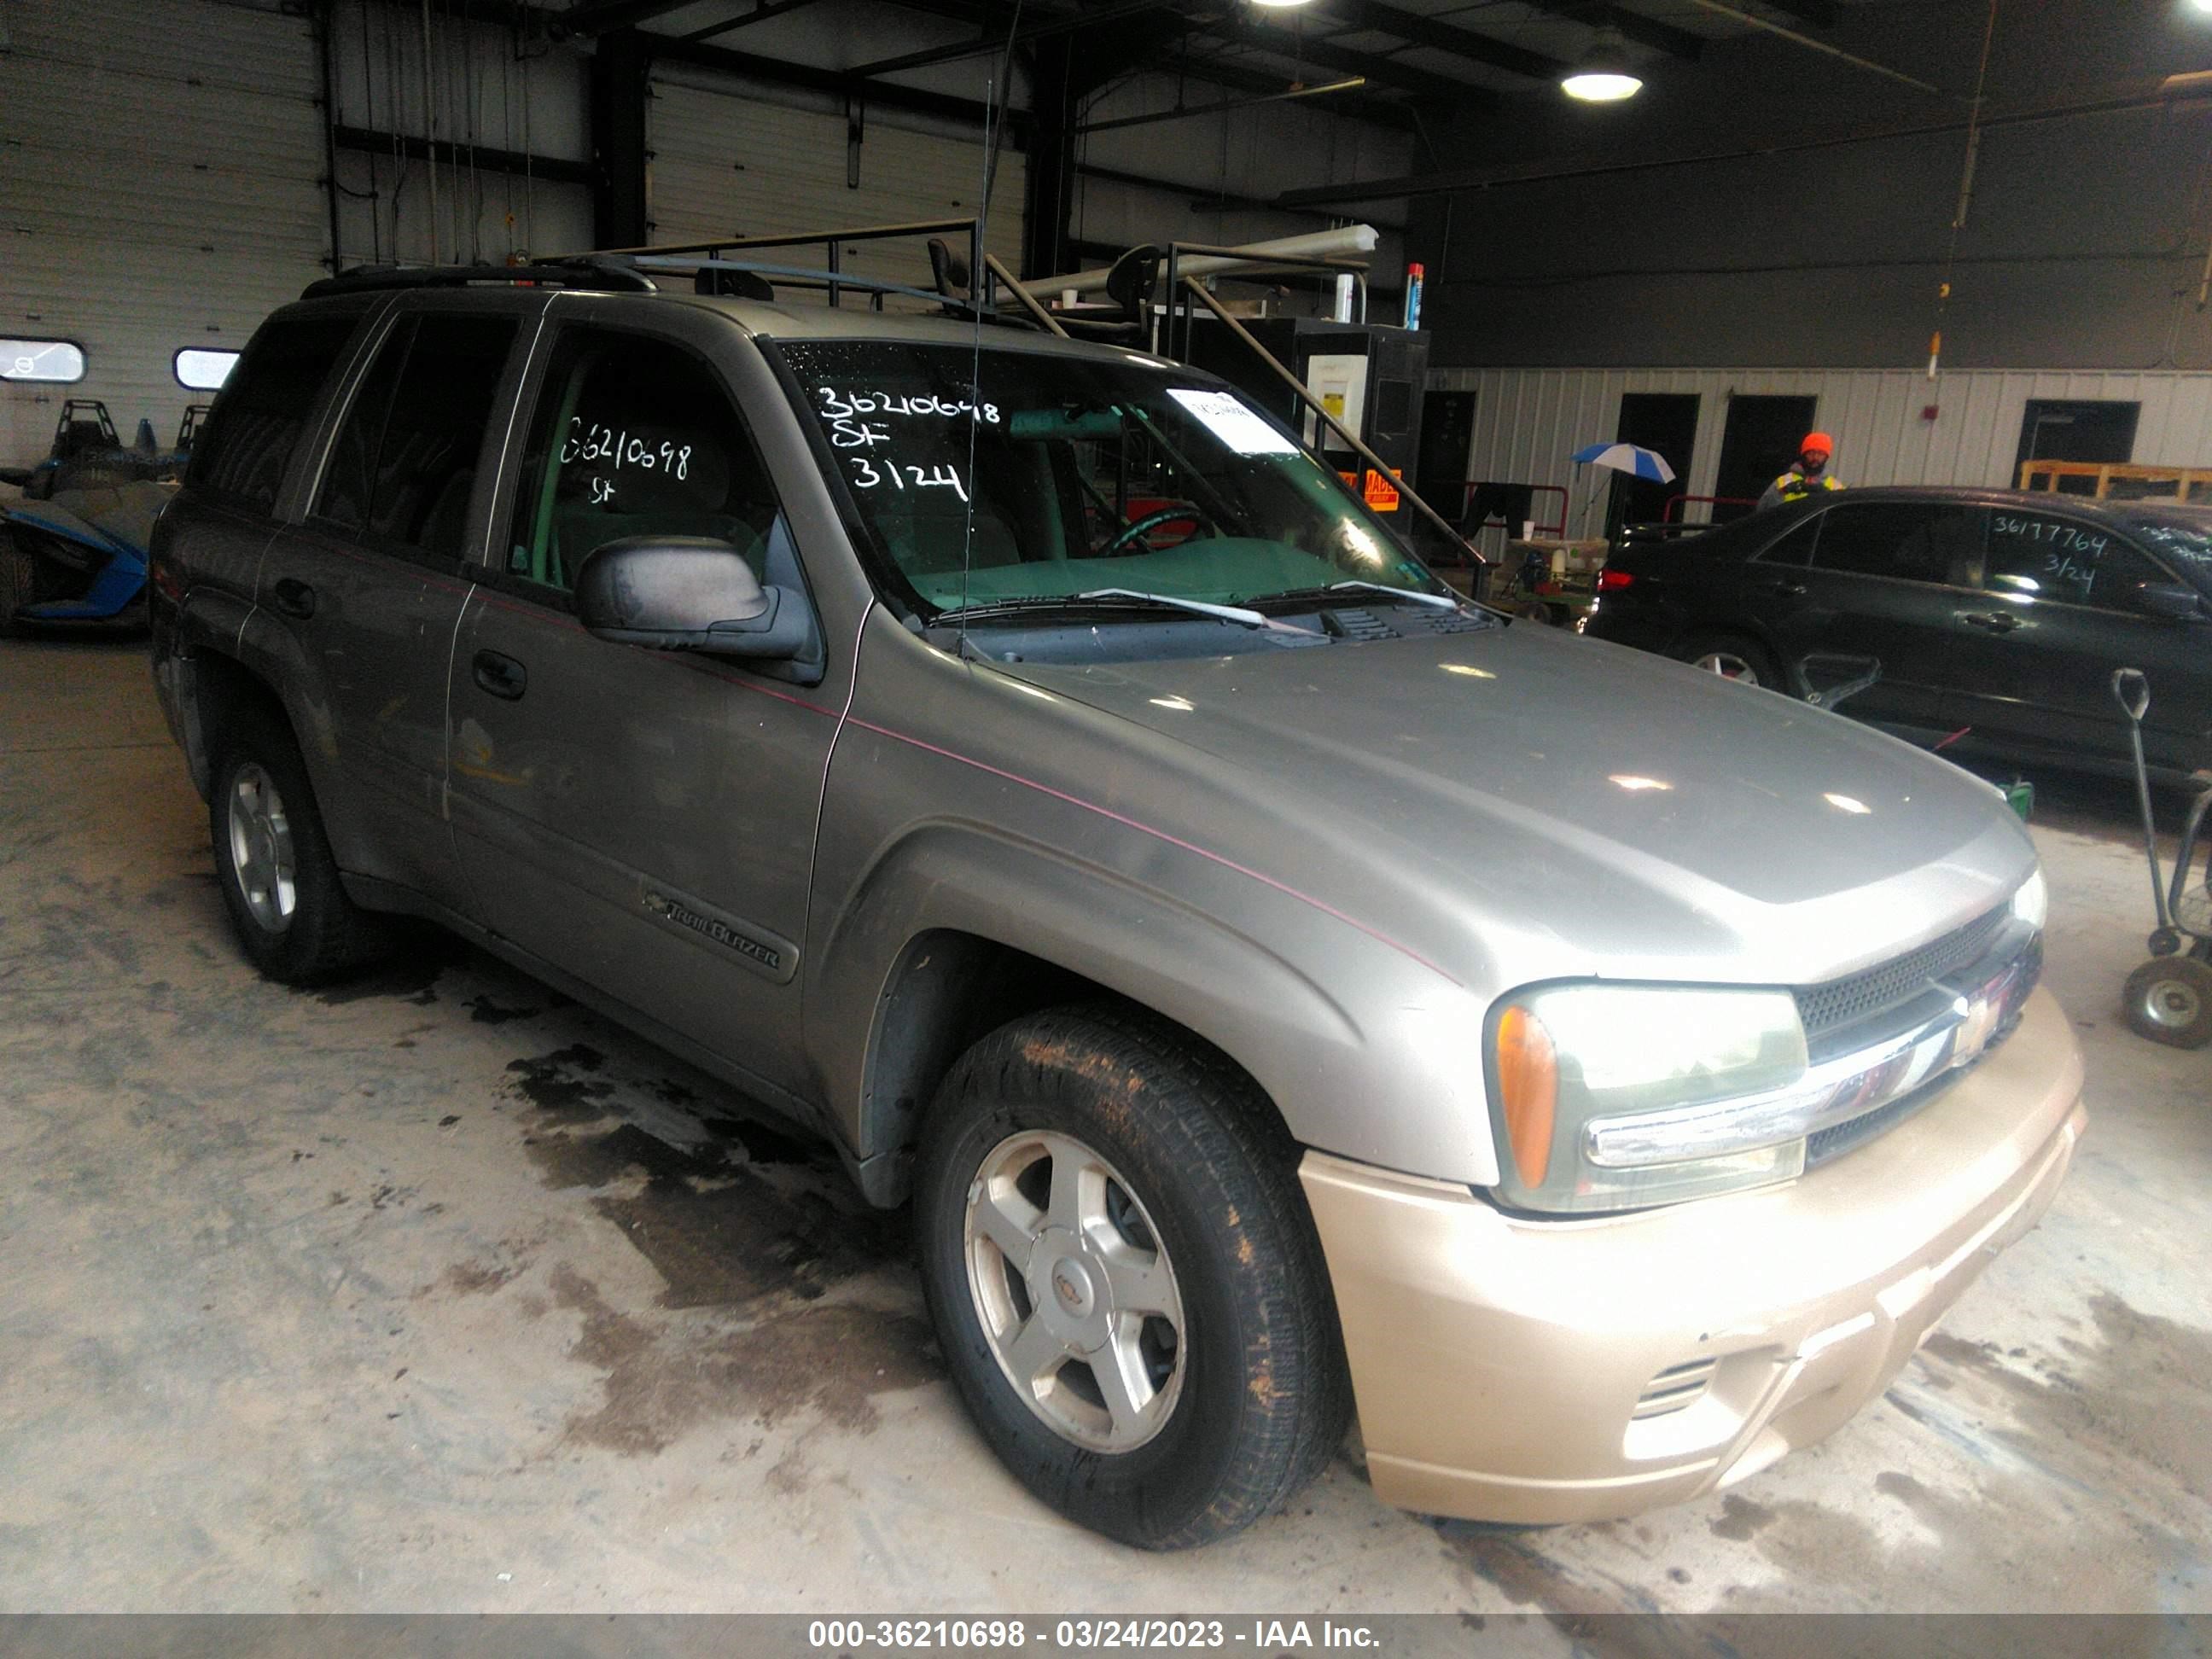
[(1124, 1279), (273, 862)]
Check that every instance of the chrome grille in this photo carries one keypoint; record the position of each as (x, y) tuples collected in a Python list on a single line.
[(1874, 991)]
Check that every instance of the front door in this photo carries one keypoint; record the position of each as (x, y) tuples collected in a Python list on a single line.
[(1876, 579), (1757, 447), (2037, 647), (373, 584), (1667, 424), (642, 819)]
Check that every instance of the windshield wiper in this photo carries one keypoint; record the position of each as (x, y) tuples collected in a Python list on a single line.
[(1235, 613), (1411, 595), (1103, 598)]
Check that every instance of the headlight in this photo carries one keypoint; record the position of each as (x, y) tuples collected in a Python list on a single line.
[(2032, 903), (1616, 1097)]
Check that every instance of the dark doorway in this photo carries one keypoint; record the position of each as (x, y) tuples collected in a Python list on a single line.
[(1665, 422), (2074, 429), (1758, 445), (1447, 432)]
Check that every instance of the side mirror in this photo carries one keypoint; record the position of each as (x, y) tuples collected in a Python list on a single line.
[(688, 593), (2169, 601)]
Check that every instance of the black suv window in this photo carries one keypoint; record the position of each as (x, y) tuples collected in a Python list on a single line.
[(2036, 555), (1913, 541), (633, 436), (406, 458), (264, 408)]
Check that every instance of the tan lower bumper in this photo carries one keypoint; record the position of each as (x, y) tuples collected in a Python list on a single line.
[(1515, 1370)]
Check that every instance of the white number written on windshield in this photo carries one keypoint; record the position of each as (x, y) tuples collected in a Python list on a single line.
[(869, 474)]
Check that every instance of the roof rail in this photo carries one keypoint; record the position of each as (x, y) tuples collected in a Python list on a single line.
[(577, 272)]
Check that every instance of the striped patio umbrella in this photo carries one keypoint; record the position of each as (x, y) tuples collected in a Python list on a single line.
[(1629, 459)]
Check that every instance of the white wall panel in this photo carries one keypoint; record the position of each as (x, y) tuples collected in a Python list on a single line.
[(731, 159), (160, 188), (1528, 421)]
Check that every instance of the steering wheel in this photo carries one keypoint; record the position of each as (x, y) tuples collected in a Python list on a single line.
[(1152, 521)]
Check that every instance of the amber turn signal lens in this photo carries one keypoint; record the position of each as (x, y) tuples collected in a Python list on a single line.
[(1528, 1091)]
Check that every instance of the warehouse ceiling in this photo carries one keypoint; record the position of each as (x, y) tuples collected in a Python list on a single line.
[(1409, 53)]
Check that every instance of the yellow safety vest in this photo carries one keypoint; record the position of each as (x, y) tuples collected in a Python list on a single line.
[(1795, 486)]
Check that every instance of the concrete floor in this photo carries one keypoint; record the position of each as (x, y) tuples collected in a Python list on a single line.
[(438, 1293)]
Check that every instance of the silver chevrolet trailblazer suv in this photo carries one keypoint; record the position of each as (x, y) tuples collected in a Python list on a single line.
[(1282, 990)]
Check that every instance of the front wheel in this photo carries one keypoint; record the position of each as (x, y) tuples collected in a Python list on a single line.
[(1126, 1282), (2169, 1000)]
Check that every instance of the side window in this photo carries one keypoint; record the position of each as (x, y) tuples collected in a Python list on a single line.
[(2034, 556), (1909, 540), (405, 458), (633, 436), (1797, 547), (257, 419)]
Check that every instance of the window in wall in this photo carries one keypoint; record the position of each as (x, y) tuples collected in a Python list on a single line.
[(2075, 430), (1906, 540), (257, 421), (633, 436), (198, 369), (405, 462), (54, 363)]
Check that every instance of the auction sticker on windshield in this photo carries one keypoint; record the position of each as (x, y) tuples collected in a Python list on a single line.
[(1227, 419)]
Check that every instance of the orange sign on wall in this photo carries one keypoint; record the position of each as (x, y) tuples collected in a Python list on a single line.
[(1378, 492)]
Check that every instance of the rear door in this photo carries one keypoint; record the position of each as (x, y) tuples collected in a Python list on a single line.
[(1876, 579), (642, 819), (371, 584), (2054, 619)]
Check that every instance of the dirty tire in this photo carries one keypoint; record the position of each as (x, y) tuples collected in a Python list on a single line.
[(2169, 1000), (1263, 1398), (1734, 657), (326, 934)]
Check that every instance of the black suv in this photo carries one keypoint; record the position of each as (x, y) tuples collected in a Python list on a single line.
[(1995, 610)]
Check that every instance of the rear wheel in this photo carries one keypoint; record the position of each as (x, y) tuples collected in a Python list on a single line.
[(1733, 658), (18, 580), (1124, 1279), (273, 862), (2169, 1000)]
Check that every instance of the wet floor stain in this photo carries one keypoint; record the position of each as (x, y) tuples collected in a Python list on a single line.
[(662, 1380), (1741, 1519), (484, 1011), (412, 980), (1513, 1561), (562, 1084)]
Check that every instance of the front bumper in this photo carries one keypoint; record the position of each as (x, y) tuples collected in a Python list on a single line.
[(1537, 1372)]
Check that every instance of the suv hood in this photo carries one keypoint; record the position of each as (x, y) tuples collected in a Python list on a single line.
[(1603, 810)]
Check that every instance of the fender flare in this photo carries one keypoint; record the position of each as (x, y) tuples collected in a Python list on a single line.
[(943, 894)]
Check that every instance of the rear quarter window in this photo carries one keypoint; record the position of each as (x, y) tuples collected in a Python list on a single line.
[(264, 405)]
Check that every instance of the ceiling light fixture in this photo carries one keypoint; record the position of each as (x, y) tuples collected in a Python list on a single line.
[(1278, 3), (1602, 75)]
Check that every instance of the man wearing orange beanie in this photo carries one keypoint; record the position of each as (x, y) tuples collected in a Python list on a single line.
[(1809, 477)]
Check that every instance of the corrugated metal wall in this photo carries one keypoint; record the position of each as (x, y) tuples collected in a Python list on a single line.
[(161, 188), (488, 86), (731, 160), (1527, 420)]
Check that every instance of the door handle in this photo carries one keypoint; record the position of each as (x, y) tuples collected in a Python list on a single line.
[(502, 677), (292, 597), (1994, 623), (1789, 590)]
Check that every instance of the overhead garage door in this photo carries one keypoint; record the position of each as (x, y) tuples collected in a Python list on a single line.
[(726, 163), (170, 201)]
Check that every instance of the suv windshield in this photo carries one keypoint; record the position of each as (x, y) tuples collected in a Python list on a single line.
[(1085, 474)]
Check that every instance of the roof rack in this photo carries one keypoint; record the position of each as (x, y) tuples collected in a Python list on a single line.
[(584, 271), (973, 289)]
